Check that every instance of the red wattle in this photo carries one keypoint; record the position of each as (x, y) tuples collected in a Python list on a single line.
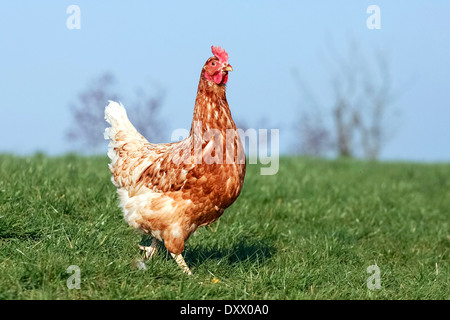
[(225, 79), (218, 78)]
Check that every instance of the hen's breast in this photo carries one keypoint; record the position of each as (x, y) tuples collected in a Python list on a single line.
[(212, 188)]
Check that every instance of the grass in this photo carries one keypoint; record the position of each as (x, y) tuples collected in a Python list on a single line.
[(308, 232)]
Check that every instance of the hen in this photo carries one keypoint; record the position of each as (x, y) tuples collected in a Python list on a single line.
[(169, 190)]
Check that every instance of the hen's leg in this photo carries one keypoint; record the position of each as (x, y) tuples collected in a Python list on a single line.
[(150, 251), (180, 260)]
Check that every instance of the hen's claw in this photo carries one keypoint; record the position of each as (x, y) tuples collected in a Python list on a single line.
[(151, 250), (180, 260)]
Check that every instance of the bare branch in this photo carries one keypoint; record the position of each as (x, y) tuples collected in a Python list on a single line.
[(363, 99), (88, 114)]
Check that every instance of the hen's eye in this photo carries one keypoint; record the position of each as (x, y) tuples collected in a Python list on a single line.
[(213, 63)]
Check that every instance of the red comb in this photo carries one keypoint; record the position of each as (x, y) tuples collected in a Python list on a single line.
[(220, 54)]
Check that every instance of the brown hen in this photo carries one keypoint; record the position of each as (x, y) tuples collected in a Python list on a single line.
[(169, 190)]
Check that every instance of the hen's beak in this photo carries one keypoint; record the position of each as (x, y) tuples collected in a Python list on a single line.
[(228, 68)]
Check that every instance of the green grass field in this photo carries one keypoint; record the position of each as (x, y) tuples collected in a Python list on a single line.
[(308, 232)]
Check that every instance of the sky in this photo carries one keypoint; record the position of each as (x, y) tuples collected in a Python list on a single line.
[(44, 65)]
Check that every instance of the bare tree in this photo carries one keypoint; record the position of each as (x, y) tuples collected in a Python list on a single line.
[(372, 122), (144, 114), (346, 84), (88, 113), (362, 102), (313, 137)]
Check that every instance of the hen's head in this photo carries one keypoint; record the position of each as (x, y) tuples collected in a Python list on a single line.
[(217, 67)]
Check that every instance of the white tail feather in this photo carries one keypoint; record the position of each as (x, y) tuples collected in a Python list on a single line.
[(116, 115)]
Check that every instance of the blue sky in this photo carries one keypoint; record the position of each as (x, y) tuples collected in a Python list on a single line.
[(44, 65)]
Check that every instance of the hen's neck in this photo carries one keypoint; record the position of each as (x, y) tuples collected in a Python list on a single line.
[(211, 108)]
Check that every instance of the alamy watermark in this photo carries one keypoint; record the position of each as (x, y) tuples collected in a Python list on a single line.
[(374, 20), (74, 20), (74, 281), (374, 281), (215, 146)]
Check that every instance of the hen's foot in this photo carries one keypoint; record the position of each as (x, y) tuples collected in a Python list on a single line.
[(180, 260), (151, 250)]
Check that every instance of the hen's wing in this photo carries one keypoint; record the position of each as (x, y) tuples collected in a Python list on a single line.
[(170, 167), (135, 162)]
